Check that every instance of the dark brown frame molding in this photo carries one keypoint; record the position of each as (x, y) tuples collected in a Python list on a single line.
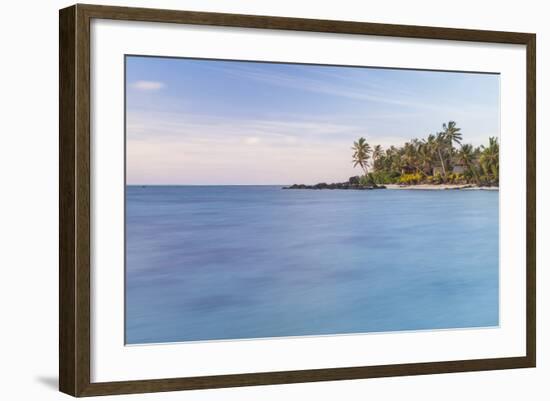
[(74, 199)]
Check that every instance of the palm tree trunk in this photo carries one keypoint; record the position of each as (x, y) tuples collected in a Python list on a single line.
[(442, 164)]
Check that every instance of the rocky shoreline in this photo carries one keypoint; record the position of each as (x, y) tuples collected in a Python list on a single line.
[(339, 185), (353, 184)]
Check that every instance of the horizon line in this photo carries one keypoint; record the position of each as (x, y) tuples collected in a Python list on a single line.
[(206, 185)]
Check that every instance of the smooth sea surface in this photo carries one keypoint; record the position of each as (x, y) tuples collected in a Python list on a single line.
[(238, 262)]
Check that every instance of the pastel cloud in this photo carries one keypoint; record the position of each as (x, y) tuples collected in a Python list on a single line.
[(252, 140), (148, 85)]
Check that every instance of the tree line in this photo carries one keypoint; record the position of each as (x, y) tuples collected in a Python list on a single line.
[(439, 158)]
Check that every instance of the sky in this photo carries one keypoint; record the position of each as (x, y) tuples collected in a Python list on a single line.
[(213, 122)]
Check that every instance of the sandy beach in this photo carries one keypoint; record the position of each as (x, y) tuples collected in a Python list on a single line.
[(440, 187)]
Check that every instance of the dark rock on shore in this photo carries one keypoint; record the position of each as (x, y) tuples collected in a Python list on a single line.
[(353, 183)]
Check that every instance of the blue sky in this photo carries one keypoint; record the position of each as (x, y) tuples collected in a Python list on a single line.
[(214, 122)]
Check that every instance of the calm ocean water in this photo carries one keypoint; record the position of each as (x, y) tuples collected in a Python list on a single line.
[(233, 262)]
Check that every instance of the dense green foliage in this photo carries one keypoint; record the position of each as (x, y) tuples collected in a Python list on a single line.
[(440, 158)]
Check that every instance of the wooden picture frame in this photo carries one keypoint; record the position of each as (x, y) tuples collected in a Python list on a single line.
[(74, 203)]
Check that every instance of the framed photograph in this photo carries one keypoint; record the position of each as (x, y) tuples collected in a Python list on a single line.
[(250, 200)]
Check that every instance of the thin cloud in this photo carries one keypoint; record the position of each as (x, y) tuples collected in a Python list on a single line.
[(294, 130), (276, 132), (148, 85), (349, 86), (354, 89)]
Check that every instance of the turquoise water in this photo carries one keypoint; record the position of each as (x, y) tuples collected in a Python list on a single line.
[(235, 262)]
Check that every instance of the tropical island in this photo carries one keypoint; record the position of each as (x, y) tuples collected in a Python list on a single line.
[(440, 161)]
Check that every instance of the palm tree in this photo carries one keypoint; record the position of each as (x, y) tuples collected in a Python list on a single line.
[(452, 133), (376, 156), (409, 154), (361, 154), (489, 158), (430, 142), (418, 159), (441, 147), (444, 143), (430, 149), (392, 157), (424, 157), (466, 155)]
